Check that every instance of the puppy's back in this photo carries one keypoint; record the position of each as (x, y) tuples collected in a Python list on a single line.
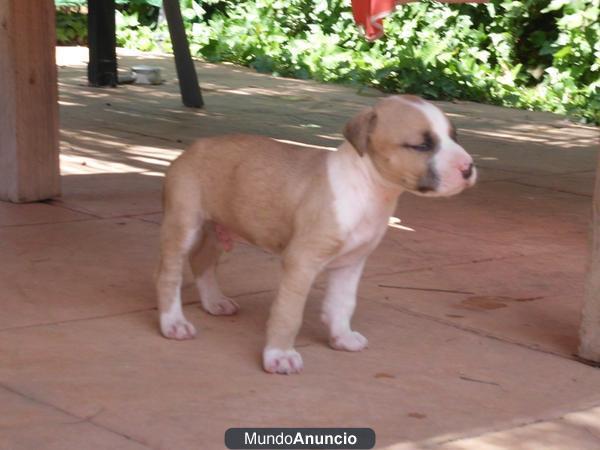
[(251, 184)]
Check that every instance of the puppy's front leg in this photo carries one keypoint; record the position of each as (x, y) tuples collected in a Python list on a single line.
[(285, 319), (338, 307)]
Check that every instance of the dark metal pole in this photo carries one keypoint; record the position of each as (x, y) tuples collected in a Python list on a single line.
[(102, 42), (186, 72)]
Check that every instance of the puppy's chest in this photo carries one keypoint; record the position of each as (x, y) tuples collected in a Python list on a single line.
[(363, 221)]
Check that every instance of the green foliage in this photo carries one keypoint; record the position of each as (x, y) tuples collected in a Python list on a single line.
[(71, 25), (135, 19), (137, 24), (535, 54)]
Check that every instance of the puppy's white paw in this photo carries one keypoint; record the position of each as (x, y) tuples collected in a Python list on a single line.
[(179, 329), (221, 306), (351, 341), (282, 361)]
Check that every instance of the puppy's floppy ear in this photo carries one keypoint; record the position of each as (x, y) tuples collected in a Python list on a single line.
[(358, 128)]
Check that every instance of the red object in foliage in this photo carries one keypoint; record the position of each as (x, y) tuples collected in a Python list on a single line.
[(369, 14)]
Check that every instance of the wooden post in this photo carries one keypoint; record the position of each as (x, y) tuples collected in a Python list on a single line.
[(186, 72), (589, 347), (102, 43), (29, 164)]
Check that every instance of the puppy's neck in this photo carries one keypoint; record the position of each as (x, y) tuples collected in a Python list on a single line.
[(350, 161)]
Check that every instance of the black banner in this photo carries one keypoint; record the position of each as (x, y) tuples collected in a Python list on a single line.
[(299, 438)]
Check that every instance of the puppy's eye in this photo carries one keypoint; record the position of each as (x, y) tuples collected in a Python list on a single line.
[(424, 147)]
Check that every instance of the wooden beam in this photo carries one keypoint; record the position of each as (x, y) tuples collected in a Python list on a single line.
[(102, 43), (186, 72), (29, 164), (589, 333)]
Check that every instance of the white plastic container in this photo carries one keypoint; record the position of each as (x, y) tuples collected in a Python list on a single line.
[(147, 74)]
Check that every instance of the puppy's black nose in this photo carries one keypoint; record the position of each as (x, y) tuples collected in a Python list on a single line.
[(466, 173)]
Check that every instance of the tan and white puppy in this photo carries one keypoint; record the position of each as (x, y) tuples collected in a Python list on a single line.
[(319, 210)]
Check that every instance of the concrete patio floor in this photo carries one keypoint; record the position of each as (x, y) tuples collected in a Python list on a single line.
[(471, 307)]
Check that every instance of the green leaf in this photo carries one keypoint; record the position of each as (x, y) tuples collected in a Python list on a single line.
[(563, 52)]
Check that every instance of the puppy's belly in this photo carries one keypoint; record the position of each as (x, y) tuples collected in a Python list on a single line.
[(227, 238)]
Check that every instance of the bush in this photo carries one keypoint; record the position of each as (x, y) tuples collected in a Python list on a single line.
[(534, 54), (135, 18), (71, 26)]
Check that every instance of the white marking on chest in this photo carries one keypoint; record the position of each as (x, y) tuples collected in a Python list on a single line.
[(362, 209)]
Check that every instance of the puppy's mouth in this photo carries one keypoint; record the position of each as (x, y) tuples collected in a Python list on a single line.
[(433, 184), (443, 190), (425, 190)]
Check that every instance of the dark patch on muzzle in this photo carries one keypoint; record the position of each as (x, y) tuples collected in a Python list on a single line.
[(429, 182)]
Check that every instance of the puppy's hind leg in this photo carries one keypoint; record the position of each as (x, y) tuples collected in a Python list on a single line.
[(203, 259), (179, 232)]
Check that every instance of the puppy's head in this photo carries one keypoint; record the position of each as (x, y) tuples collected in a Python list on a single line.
[(412, 144)]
